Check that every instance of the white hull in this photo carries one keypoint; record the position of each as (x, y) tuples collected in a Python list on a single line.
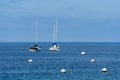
[(54, 48), (32, 50), (35, 49)]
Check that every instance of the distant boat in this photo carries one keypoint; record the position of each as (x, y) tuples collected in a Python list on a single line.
[(35, 47), (55, 46)]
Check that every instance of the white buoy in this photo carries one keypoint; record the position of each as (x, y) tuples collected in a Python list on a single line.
[(30, 60), (92, 60), (104, 70), (83, 53), (62, 70)]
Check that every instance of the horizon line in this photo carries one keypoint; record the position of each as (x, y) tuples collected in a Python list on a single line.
[(61, 41)]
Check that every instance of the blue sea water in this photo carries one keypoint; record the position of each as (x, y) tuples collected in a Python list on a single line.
[(46, 65)]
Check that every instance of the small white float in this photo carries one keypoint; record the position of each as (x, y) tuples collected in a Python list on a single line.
[(104, 69), (92, 60), (30, 60), (83, 53), (62, 70)]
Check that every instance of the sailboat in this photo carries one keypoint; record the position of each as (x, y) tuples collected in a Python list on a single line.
[(35, 47), (55, 46)]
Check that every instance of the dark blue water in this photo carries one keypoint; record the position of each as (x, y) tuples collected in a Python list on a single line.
[(46, 65)]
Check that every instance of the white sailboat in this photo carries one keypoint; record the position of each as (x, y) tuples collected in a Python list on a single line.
[(35, 47), (55, 46)]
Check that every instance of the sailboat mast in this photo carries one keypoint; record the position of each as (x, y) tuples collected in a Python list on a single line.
[(56, 29), (36, 35)]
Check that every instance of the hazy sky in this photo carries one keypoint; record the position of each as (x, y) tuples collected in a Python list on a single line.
[(78, 20)]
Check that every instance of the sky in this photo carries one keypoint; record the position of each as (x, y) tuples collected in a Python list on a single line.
[(78, 20)]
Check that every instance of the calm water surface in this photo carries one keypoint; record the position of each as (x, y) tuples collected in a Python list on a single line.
[(46, 65)]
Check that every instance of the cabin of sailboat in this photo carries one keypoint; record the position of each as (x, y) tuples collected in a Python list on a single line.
[(55, 46), (35, 47)]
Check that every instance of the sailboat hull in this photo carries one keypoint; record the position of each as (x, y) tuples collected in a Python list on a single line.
[(54, 48), (34, 49)]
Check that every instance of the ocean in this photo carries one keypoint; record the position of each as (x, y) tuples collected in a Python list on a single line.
[(46, 65)]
